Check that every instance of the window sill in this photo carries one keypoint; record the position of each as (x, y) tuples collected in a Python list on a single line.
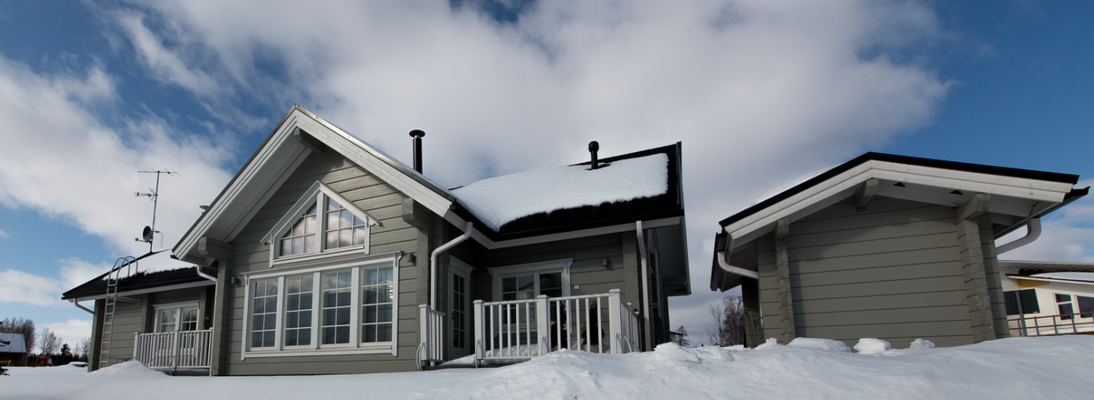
[(372, 349), (300, 258)]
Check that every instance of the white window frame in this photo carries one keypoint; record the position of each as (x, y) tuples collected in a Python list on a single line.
[(316, 348), (316, 195), (178, 317), (562, 266)]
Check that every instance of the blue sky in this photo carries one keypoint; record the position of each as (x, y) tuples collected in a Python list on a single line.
[(759, 93)]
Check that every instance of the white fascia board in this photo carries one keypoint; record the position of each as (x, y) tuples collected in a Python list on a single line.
[(843, 185), (1051, 280), (344, 143), (351, 148), (158, 289), (835, 188), (238, 186), (1023, 188)]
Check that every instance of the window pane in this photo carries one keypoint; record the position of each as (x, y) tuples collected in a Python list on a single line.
[(1063, 297), (378, 299), (264, 314), (336, 306), (359, 236), (1066, 311), (1086, 304)]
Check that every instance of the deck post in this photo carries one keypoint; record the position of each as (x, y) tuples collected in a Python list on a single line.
[(136, 346), (614, 317), (176, 351), (477, 310), (543, 326)]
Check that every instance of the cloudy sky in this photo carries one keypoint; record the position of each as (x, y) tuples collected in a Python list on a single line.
[(760, 92)]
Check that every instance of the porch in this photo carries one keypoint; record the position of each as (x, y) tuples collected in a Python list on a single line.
[(518, 330), (174, 351)]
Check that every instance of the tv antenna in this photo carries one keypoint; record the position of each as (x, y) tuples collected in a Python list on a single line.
[(149, 233)]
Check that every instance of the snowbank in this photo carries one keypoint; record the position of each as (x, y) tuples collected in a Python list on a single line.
[(1015, 368)]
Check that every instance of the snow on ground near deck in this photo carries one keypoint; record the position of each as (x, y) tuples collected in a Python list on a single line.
[(1015, 368), (500, 200)]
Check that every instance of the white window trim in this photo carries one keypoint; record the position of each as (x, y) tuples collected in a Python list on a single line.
[(355, 347), (562, 265), (178, 319), (316, 194)]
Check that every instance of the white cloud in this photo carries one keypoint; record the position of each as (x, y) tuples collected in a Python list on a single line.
[(21, 287), (3, 234), (59, 160), (759, 92)]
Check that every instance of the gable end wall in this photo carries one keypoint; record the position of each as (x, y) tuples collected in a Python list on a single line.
[(376, 198)]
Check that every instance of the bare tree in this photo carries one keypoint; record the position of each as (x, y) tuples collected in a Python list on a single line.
[(729, 320), (51, 343), (83, 348)]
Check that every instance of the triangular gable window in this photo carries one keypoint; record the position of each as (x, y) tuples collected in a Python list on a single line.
[(320, 222)]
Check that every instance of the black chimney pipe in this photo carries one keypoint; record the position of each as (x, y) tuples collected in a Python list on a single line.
[(593, 147), (417, 135)]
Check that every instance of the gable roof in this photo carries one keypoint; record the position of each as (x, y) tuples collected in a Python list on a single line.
[(1024, 193), (297, 135), (1017, 195), (12, 343), (139, 283), (643, 185)]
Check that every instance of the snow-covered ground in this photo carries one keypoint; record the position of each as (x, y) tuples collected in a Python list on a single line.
[(1015, 368)]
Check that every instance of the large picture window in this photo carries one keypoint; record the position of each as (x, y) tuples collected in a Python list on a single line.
[(321, 222), (344, 308)]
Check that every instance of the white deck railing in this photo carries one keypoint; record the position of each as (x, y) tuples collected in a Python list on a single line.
[(431, 347), (174, 350), (519, 329), (1050, 325)]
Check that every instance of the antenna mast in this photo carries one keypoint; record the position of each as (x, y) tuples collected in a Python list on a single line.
[(148, 236)]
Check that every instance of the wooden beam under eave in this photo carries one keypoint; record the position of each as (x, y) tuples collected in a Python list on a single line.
[(866, 193), (308, 141), (212, 249), (975, 207)]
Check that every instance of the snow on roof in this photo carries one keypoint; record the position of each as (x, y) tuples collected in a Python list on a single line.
[(12, 343), (503, 199)]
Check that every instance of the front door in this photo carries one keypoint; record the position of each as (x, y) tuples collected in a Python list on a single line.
[(459, 313)]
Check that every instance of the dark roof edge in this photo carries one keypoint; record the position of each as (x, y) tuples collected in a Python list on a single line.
[(926, 162)]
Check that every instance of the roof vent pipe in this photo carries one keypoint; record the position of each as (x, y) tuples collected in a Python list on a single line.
[(417, 135), (593, 147)]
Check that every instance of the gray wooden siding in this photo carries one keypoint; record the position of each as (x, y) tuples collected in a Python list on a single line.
[(377, 199), (587, 271), (892, 271), (129, 318)]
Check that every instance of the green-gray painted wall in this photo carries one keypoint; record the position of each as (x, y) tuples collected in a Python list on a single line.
[(891, 271), (369, 194)]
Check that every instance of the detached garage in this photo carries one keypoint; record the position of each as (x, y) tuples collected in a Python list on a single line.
[(884, 246)]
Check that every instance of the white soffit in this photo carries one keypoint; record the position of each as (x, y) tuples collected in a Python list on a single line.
[(841, 186)]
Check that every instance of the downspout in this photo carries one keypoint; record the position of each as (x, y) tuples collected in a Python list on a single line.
[(1033, 231), (724, 264), (197, 268), (645, 281), (77, 304), (433, 262)]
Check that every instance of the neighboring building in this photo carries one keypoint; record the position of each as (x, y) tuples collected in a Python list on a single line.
[(332, 257), (1049, 298), (884, 246), (13, 349)]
